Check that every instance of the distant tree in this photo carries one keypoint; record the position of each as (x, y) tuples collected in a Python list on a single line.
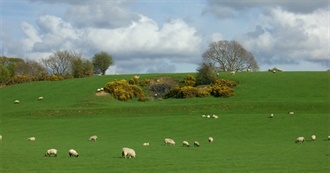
[(230, 56), (206, 74), (81, 68), (60, 62), (88, 67), (10, 64), (102, 61), (4, 74), (30, 68)]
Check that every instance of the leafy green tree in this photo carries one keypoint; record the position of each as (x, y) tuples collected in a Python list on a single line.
[(4, 74), (206, 74), (102, 61)]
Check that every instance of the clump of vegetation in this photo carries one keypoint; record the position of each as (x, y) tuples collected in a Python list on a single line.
[(124, 91), (206, 74), (190, 81), (223, 88)]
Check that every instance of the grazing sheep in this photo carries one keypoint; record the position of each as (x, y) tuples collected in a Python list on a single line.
[(102, 89), (300, 139), (98, 90), (169, 141), (328, 137), (271, 116), (215, 116), (203, 116), (31, 138), (92, 138), (51, 152), (73, 152), (128, 152), (146, 144), (232, 72), (40, 98), (16, 101), (0, 137), (196, 144), (185, 144), (208, 116), (291, 113), (313, 137), (248, 70), (210, 139)]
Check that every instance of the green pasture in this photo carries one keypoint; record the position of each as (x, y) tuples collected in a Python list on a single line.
[(245, 138)]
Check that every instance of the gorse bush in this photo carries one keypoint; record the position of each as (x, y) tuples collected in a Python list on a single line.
[(190, 81), (124, 91), (223, 88)]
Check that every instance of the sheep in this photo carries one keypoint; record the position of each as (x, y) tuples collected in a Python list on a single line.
[(313, 137), (185, 144), (210, 139), (248, 69), (40, 98), (232, 72), (16, 101), (214, 116), (146, 144), (169, 141), (102, 89), (98, 90), (196, 144), (31, 138), (0, 137), (92, 138), (128, 152), (203, 116), (300, 139), (51, 152), (290, 113), (73, 152), (271, 116), (328, 137), (208, 116)]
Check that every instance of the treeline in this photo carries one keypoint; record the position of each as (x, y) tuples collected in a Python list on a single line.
[(58, 66)]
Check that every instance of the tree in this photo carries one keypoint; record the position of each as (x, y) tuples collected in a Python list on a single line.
[(30, 68), (230, 56), (102, 61), (4, 74), (206, 74), (60, 62)]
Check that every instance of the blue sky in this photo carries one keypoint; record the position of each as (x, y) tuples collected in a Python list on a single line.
[(149, 36)]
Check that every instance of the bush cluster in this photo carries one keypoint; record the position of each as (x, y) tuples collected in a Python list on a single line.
[(124, 91), (190, 81)]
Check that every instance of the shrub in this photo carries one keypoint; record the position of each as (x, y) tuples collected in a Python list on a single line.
[(188, 92), (206, 74), (223, 88), (133, 81), (145, 82), (190, 81), (124, 91)]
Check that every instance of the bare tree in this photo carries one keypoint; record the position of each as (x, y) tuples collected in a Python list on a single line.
[(230, 56), (31, 68), (60, 62)]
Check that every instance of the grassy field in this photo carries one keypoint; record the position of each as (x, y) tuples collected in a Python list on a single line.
[(245, 139)]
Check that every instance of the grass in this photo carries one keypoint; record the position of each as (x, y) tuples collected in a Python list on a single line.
[(246, 140)]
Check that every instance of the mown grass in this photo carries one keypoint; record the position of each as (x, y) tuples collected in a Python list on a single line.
[(246, 140)]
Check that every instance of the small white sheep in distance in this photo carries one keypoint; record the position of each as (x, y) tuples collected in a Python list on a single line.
[(328, 137), (128, 152), (208, 116), (98, 90), (196, 144), (31, 138), (215, 116), (271, 116), (102, 89), (169, 141), (0, 137), (92, 138), (16, 101), (291, 113), (185, 144), (40, 98), (51, 152), (146, 144), (232, 72), (313, 137), (203, 116), (73, 152), (210, 139), (300, 139)]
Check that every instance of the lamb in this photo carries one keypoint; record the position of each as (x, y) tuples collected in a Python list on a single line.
[(196, 144), (31, 138), (146, 144), (16, 101), (73, 152), (185, 144), (51, 152), (169, 141), (300, 139), (210, 139), (313, 137), (128, 152), (92, 138), (40, 98)]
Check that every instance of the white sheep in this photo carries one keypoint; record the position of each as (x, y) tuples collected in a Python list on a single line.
[(51, 152), (232, 72), (16, 101), (0, 137), (73, 152), (40, 98), (208, 116), (136, 77), (196, 144), (328, 138), (215, 116), (203, 116), (300, 139), (313, 137), (291, 113), (128, 152), (210, 139), (98, 90), (31, 138), (271, 116), (248, 70), (169, 141), (185, 144), (92, 138), (146, 144), (102, 89)]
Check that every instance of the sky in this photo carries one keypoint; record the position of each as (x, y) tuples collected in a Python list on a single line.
[(169, 36)]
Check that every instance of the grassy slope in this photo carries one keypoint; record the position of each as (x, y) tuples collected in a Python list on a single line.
[(245, 139)]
